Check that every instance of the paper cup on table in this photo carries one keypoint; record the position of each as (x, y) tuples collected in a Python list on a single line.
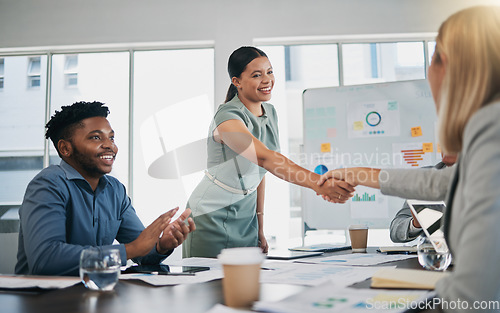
[(241, 275), (359, 237)]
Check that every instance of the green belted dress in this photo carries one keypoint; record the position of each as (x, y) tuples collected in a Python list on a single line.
[(224, 202)]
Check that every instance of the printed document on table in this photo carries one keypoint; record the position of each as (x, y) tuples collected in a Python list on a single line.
[(220, 308), (357, 259), (314, 274), (44, 282), (208, 262), (167, 280), (330, 298)]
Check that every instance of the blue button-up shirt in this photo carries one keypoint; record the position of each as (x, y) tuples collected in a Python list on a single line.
[(61, 215)]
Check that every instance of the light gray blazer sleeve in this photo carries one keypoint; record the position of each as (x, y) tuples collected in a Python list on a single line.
[(400, 226), (422, 184), (473, 218)]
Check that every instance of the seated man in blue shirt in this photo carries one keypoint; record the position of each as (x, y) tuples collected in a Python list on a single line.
[(75, 205), (404, 227)]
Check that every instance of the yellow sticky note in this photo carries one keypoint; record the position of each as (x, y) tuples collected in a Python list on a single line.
[(326, 147), (428, 147), (416, 131), (358, 125), (438, 148)]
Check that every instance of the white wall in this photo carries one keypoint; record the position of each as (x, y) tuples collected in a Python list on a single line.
[(230, 23)]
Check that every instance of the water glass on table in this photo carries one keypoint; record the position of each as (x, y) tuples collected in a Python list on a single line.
[(433, 255), (100, 268)]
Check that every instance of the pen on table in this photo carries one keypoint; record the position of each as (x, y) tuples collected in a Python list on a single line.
[(395, 252)]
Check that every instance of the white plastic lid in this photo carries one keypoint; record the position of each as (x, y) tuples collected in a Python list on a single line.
[(358, 226), (241, 256)]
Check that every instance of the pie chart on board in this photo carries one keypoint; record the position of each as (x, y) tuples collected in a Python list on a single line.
[(320, 169)]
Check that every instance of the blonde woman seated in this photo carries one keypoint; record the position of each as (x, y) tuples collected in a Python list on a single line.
[(465, 81)]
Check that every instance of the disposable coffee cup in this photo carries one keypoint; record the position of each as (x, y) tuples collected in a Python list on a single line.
[(359, 237), (241, 275)]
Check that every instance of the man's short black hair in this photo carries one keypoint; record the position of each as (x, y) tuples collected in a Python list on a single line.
[(63, 123)]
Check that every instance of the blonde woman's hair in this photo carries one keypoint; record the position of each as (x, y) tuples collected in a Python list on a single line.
[(470, 41)]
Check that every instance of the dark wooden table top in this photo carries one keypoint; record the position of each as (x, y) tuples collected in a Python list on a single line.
[(134, 297)]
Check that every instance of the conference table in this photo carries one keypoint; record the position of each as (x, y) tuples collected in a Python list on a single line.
[(135, 296)]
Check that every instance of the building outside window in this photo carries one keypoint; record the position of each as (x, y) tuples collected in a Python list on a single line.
[(104, 77), (71, 70), (22, 121), (100, 76), (367, 63), (34, 72)]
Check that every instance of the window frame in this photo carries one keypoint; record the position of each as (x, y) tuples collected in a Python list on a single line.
[(350, 39), (34, 52), (2, 73), (340, 41)]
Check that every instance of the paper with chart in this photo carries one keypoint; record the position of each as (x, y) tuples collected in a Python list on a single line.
[(314, 274), (373, 119), (369, 203), (357, 259), (330, 298), (411, 155)]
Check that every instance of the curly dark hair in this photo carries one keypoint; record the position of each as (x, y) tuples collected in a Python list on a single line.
[(63, 123)]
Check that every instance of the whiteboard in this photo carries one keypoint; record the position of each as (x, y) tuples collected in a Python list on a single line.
[(386, 125)]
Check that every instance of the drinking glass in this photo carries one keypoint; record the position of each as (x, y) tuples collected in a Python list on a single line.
[(100, 268), (433, 255)]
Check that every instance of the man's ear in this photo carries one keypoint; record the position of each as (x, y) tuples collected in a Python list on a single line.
[(65, 148)]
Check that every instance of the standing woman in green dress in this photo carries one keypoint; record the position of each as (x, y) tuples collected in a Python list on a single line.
[(228, 204)]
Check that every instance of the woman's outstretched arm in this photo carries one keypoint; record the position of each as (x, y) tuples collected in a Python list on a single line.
[(236, 136)]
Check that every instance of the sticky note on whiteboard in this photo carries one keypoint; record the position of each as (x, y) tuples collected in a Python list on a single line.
[(331, 132), (416, 131), (438, 148), (358, 125), (326, 147), (427, 147)]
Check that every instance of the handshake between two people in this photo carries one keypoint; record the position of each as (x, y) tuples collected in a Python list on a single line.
[(338, 184)]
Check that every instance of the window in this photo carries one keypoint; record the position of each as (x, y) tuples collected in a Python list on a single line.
[(320, 65), (306, 66), (71, 70), (311, 66), (2, 71), (366, 63), (102, 77), (160, 97), (21, 128), (34, 72), (431, 47)]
